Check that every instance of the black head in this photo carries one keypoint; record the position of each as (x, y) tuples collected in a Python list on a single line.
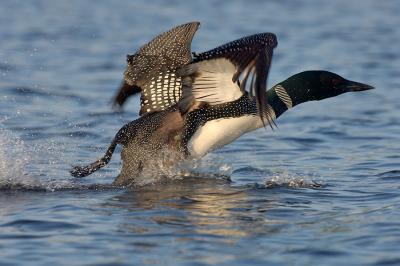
[(318, 85)]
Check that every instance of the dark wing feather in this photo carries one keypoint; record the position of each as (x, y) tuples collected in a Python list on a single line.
[(157, 61), (252, 56), (124, 92)]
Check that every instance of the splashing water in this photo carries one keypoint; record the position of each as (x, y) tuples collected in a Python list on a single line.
[(24, 167), (14, 158), (286, 179), (34, 166), (31, 168), (211, 166), (165, 168)]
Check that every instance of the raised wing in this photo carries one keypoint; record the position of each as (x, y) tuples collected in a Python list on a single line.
[(221, 74), (152, 69)]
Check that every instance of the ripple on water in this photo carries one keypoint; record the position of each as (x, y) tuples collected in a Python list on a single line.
[(390, 175), (40, 225), (39, 92), (251, 171)]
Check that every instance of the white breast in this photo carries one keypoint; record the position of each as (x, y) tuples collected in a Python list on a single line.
[(220, 132)]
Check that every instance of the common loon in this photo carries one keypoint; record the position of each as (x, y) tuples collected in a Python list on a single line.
[(207, 106)]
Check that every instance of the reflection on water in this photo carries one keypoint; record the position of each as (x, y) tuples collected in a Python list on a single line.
[(206, 205), (197, 209)]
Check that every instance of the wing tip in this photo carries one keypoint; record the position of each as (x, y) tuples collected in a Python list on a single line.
[(193, 23)]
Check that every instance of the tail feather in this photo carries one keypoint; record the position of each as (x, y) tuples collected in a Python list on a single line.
[(82, 171)]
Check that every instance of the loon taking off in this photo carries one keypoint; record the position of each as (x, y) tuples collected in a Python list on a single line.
[(190, 107)]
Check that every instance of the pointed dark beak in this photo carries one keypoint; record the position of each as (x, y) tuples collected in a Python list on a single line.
[(356, 86)]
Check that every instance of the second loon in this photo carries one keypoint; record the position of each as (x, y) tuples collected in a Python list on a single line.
[(191, 106)]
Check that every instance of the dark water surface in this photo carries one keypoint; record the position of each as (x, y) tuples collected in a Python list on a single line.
[(322, 189)]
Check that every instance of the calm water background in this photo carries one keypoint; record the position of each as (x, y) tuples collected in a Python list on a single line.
[(322, 189)]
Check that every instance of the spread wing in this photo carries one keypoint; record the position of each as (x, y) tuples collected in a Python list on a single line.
[(222, 74), (151, 69)]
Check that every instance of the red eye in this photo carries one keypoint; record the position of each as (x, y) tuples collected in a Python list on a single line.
[(335, 82)]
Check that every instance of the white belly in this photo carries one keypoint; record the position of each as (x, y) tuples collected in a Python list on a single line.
[(220, 132)]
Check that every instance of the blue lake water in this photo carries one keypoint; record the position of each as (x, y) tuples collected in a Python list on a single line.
[(322, 189)]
